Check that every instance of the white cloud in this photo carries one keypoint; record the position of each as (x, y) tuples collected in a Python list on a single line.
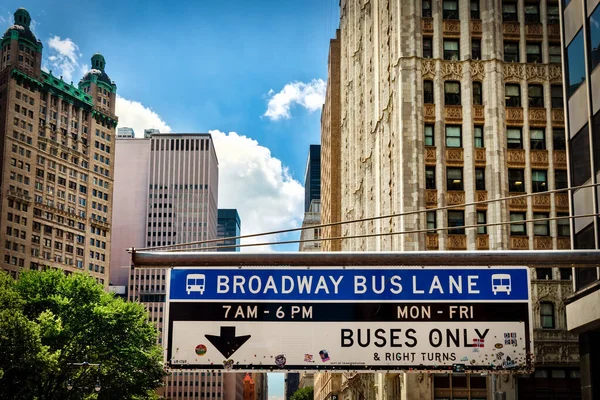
[(258, 186), (309, 95), (64, 57), (133, 114)]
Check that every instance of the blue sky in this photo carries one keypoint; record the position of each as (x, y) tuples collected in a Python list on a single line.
[(199, 66)]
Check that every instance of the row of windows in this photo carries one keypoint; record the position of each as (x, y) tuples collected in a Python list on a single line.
[(541, 225), (59, 233), (10, 217), (450, 11), (535, 93), (14, 260), (177, 187), (27, 99), (23, 124), (576, 71), (18, 233), (533, 50), (14, 246)]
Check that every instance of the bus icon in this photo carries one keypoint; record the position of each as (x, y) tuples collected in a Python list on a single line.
[(501, 283), (195, 283)]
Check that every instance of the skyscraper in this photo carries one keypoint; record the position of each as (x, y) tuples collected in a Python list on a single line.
[(228, 225), (166, 189), (581, 40), (125, 133), (445, 103), (57, 165), (312, 176)]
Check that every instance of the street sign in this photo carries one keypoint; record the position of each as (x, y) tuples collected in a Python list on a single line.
[(350, 319)]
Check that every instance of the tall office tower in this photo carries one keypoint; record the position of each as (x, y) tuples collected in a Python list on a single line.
[(331, 188), (311, 218), (261, 388), (125, 133), (166, 188), (312, 176), (56, 142), (581, 41), (450, 102), (228, 225), (292, 381)]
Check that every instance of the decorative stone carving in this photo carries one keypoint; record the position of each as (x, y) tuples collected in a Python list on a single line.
[(455, 156), (428, 68), (481, 196), (513, 72), (483, 242), (514, 115), (536, 73), (555, 73), (453, 113), (542, 243), (476, 27), (478, 114), (560, 159), (452, 71), (511, 30), (430, 156), (563, 243), (427, 25), (429, 112), (480, 156), (431, 197), (455, 197), (516, 158), (533, 31), (457, 242), (537, 116), (541, 202), (519, 243), (554, 31), (451, 27), (432, 241), (518, 204), (477, 70), (558, 116), (539, 158), (562, 202)]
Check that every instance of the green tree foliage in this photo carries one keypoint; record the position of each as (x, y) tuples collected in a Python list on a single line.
[(49, 321), (303, 394)]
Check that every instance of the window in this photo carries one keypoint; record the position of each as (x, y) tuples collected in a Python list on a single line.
[(566, 274), (534, 52), (554, 54), (451, 51), (541, 225), (475, 12), (431, 222), (477, 94), (456, 219), (454, 178), (560, 179), (516, 177), (537, 139), (556, 92), (532, 13), (509, 12), (547, 314), (480, 178), (558, 139), (476, 49), (580, 157), (539, 180), (427, 48), (429, 135), (594, 41), (478, 135), (514, 138), (513, 95), (452, 93), (428, 92), (553, 16), (575, 63), (481, 220), (563, 227), (453, 136), (511, 51), (536, 95), (517, 227), (450, 9), (426, 9), (429, 177), (543, 273)]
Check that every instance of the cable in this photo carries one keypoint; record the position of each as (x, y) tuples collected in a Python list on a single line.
[(367, 235), (456, 206)]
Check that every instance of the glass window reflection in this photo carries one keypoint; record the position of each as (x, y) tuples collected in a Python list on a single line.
[(575, 59), (595, 37)]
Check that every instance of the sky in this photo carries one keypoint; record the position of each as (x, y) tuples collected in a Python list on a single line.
[(252, 73)]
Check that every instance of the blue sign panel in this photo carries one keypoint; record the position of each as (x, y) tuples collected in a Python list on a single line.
[(504, 284)]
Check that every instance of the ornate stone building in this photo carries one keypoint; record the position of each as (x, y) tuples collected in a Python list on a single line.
[(449, 103), (56, 149)]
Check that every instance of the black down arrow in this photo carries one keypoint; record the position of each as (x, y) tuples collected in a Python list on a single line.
[(227, 343)]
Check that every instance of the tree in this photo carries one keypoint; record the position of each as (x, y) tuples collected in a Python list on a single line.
[(305, 393), (50, 321)]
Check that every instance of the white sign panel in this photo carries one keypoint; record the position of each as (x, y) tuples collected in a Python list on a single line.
[(350, 319)]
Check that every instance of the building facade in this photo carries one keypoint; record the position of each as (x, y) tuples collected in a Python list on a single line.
[(228, 225), (57, 161), (446, 103), (125, 133), (581, 41), (312, 176), (166, 188)]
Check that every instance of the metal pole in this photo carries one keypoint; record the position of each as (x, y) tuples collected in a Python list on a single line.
[(575, 258)]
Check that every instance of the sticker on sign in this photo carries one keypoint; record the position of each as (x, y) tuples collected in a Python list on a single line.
[(349, 318)]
